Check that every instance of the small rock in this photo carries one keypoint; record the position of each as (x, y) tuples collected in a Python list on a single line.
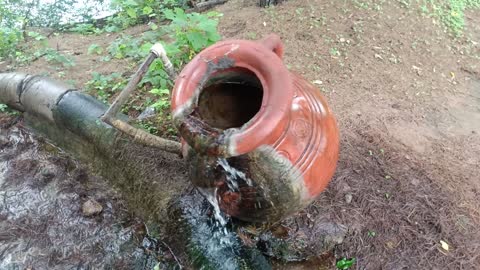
[(348, 198), (91, 208), (342, 40)]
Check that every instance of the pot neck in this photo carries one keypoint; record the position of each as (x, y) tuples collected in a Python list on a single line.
[(233, 97)]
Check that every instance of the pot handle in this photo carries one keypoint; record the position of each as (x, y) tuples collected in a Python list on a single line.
[(273, 43)]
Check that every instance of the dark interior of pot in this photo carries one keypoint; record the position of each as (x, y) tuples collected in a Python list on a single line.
[(230, 98)]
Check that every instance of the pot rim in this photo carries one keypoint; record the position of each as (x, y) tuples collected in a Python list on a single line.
[(263, 60)]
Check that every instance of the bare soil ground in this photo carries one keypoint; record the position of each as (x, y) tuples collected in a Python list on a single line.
[(407, 98)]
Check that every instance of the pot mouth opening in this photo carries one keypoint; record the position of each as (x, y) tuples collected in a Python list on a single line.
[(230, 98)]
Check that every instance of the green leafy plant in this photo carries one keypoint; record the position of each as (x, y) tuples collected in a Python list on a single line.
[(163, 101), (9, 42), (149, 127), (132, 12), (53, 56), (194, 31), (190, 34), (157, 77), (345, 263), (450, 12), (103, 86), (334, 52), (95, 49), (36, 36), (125, 46), (3, 107), (86, 29)]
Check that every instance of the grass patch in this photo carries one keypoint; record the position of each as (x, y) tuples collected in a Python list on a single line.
[(450, 12)]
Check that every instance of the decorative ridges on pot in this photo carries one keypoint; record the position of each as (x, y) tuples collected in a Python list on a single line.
[(316, 135), (309, 133)]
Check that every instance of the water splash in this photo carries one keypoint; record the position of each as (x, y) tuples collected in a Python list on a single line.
[(233, 175), (220, 219), (234, 178)]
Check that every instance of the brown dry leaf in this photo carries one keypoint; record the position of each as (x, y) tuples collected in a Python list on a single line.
[(390, 245)]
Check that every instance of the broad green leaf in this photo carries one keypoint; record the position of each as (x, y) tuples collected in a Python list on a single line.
[(345, 263), (180, 14), (147, 10), (169, 14), (197, 40), (132, 13), (145, 48)]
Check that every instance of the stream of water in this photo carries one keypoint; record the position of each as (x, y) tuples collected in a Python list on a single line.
[(213, 233), (234, 178)]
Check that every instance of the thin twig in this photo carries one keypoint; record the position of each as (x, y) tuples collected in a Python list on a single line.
[(132, 84), (173, 254), (146, 138)]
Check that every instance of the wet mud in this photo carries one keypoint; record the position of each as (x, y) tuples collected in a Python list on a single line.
[(42, 223)]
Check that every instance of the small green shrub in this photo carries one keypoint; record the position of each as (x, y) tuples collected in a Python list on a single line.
[(124, 47), (163, 101), (95, 49), (103, 86), (450, 12), (53, 56), (3, 107), (86, 29), (9, 42)]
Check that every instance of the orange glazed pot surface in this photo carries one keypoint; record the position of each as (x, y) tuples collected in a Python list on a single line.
[(261, 139)]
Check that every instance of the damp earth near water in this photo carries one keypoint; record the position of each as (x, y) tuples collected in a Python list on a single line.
[(44, 218)]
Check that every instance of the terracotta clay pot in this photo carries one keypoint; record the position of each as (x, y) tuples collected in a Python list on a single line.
[(258, 137)]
